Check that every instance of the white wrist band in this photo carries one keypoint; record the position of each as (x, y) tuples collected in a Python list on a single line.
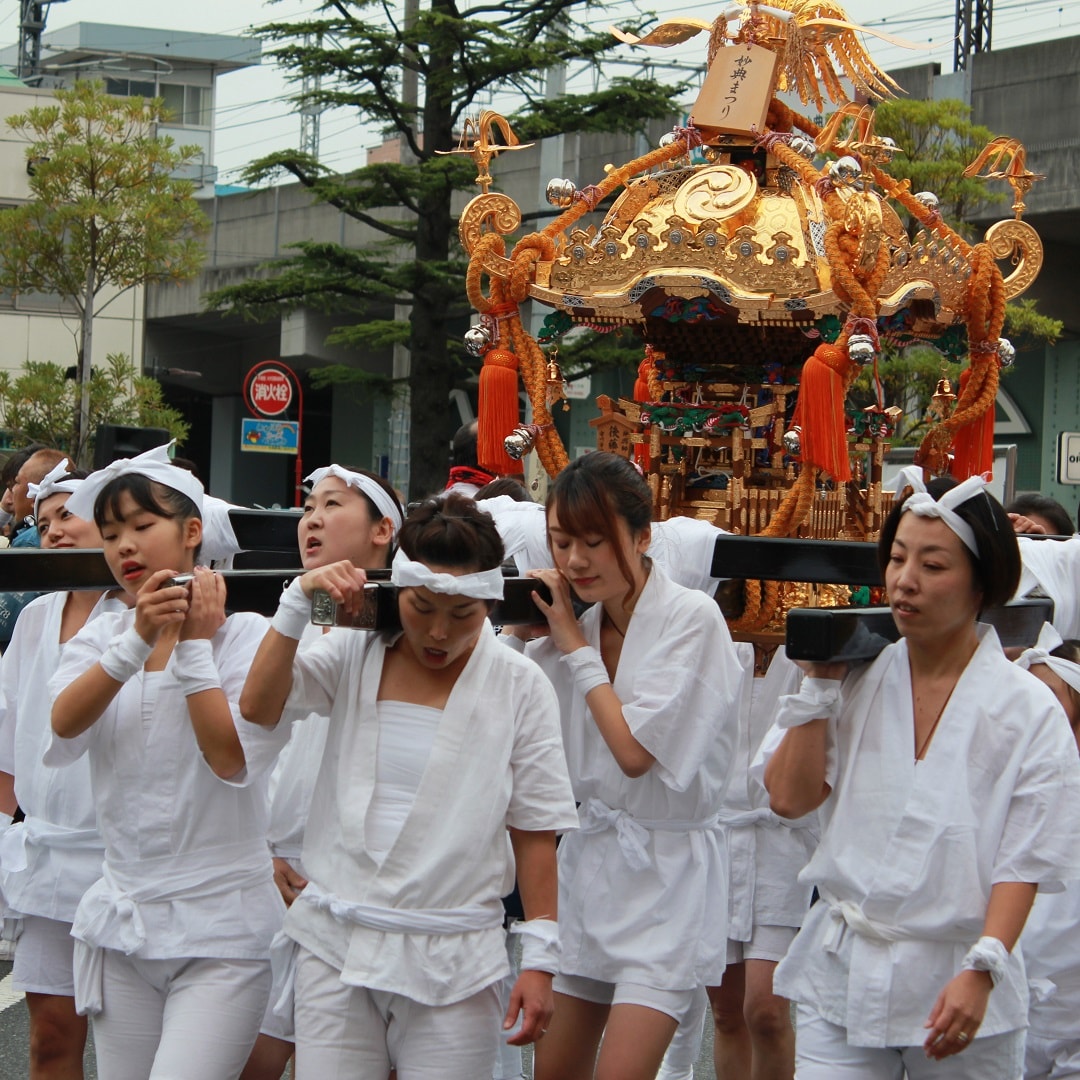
[(539, 944), (990, 955), (587, 669), (294, 612), (817, 699), (194, 667), (125, 656)]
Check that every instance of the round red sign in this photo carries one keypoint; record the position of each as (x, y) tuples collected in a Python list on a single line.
[(270, 392)]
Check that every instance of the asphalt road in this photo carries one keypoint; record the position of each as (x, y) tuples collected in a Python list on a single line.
[(14, 1038)]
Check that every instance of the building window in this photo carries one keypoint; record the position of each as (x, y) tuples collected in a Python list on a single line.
[(130, 88), (189, 105)]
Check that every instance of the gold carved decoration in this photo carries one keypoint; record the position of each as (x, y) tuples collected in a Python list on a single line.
[(1019, 242), (715, 193), (476, 140), (1019, 178)]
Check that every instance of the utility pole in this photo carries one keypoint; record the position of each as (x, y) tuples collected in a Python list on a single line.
[(973, 30), (310, 108), (400, 412), (32, 16)]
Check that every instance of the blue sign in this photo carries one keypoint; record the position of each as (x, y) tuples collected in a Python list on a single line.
[(270, 436)]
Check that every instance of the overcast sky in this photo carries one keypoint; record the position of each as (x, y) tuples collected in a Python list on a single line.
[(254, 116)]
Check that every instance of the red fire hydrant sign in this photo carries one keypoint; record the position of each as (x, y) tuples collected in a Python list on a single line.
[(269, 390)]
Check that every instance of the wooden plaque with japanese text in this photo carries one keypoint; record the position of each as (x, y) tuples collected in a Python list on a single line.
[(737, 90)]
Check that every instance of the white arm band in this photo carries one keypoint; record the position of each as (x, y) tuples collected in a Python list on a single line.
[(987, 954), (294, 612), (125, 656), (5, 822), (194, 667), (817, 699), (587, 669), (539, 945)]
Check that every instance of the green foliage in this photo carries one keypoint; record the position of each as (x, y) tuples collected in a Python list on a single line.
[(39, 403), (105, 213), (101, 198), (938, 141), (358, 49), (1026, 325)]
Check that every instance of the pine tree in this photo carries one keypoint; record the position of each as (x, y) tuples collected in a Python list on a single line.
[(359, 52)]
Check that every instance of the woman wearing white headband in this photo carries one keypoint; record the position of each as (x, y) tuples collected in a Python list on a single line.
[(949, 790), (440, 740), (352, 514), (1051, 941), (172, 943), (54, 855)]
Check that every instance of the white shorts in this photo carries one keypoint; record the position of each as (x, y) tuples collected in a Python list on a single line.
[(351, 1031), (822, 1053), (44, 958), (674, 1003), (766, 943), (1051, 1058)]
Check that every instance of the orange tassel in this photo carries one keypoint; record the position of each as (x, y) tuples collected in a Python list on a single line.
[(641, 383), (641, 393), (498, 411), (819, 411), (973, 444)]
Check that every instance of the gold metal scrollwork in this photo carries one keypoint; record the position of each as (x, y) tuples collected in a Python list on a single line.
[(1018, 241), (493, 212)]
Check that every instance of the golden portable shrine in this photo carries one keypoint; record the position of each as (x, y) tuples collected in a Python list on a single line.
[(761, 281)]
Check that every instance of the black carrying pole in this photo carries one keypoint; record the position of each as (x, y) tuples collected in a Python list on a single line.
[(818, 634)]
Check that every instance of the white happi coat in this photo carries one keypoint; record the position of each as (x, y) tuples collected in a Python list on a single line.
[(186, 866), (765, 852), (497, 761), (49, 860), (1053, 566), (909, 851), (642, 885), (1051, 945)]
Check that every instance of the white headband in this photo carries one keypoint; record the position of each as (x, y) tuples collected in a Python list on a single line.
[(154, 464), (386, 506), (486, 585), (52, 483), (1049, 639), (924, 505)]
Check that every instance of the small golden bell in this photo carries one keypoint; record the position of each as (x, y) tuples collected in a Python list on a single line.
[(943, 400)]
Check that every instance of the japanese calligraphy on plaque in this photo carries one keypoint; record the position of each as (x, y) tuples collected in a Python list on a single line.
[(737, 90)]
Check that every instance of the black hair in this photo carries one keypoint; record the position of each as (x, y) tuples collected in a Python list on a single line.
[(463, 445), (596, 490), (374, 512), (10, 469), (147, 495), (504, 485), (1045, 507), (997, 565), (452, 532)]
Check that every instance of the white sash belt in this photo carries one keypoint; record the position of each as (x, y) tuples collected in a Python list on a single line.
[(37, 831), (108, 916), (844, 913), (596, 816), (742, 819), (283, 949), (405, 920)]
